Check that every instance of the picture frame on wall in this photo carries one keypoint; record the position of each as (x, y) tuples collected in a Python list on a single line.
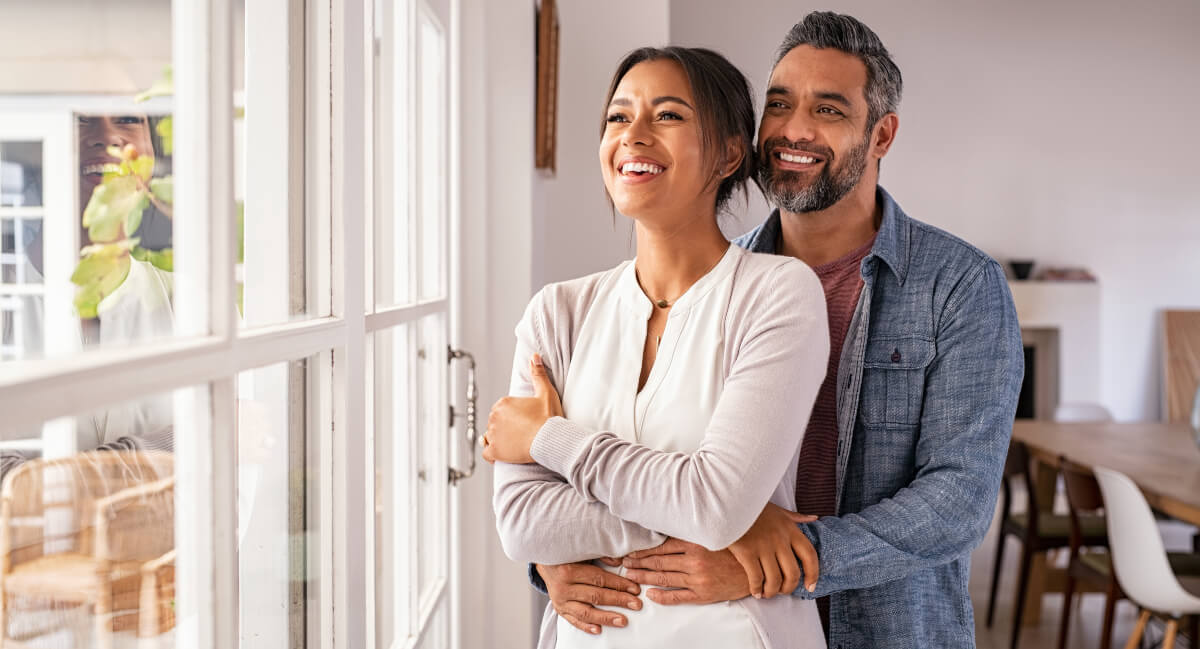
[(547, 85)]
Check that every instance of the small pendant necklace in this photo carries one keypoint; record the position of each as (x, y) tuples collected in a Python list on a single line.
[(663, 304)]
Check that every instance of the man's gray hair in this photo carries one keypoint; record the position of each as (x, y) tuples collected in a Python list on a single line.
[(825, 29)]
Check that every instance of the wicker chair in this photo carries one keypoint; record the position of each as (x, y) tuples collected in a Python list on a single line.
[(95, 528)]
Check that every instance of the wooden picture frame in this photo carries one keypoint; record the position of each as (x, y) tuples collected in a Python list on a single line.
[(547, 86)]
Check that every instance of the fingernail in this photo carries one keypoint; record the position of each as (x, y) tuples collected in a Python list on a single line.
[(618, 621), (636, 605), (757, 595), (634, 590), (811, 587)]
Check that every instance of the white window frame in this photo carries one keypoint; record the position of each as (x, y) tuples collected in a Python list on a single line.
[(202, 364)]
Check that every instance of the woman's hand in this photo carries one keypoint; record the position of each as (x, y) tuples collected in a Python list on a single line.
[(515, 421), (769, 551)]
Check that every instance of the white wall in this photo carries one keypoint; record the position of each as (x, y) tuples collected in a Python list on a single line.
[(578, 233), (496, 84), (1062, 132)]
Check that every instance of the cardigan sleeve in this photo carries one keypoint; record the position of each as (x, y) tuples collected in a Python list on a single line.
[(712, 496), (539, 517)]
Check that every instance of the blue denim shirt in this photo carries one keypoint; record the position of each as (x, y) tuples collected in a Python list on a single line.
[(927, 390)]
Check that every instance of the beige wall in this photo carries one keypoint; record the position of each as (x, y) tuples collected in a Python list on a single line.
[(1061, 132)]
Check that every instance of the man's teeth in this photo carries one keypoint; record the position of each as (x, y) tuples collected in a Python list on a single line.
[(101, 168), (801, 159), (641, 167)]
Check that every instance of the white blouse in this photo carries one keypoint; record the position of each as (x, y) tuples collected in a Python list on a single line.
[(670, 413)]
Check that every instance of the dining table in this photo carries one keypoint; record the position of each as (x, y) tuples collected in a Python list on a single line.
[(1162, 458)]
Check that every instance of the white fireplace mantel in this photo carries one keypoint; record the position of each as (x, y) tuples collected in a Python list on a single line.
[(1073, 309)]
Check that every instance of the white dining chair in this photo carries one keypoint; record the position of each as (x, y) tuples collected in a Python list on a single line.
[(1140, 559)]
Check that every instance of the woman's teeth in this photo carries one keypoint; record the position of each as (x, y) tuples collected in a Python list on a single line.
[(641, 168), (800, 159)]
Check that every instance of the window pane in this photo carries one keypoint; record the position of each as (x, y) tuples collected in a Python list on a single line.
[(433, 170), (277, 505), (20, 174), (89, 520), (412, 465), (86, 175), (278, 237), (395, 158)]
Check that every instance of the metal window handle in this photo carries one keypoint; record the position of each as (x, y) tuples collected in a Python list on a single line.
[(472, 434)]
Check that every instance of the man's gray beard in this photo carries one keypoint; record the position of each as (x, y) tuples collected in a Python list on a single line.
[(823, 193)]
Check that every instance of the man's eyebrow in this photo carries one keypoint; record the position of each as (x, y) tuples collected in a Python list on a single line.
[(827, 95), (621, 101), (833, 96)]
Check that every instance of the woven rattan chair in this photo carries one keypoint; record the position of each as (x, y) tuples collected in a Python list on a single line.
[(95, 528)]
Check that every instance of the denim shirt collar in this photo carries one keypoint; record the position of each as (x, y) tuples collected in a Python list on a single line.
[(891, 242)]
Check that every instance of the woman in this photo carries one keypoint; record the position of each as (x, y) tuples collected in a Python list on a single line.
[(687, 375)]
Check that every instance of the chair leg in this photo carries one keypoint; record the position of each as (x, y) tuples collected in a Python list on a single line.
[(991, 614), (1194, 631), (1136, 637), (1172, 629), (1022, 584), (1110, 605), (1065, 623), (103, 614)]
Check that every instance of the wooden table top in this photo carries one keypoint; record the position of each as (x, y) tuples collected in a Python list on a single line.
[(1163, 459)]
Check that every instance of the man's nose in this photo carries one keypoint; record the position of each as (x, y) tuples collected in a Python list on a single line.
[(102, 133), (799, 127)]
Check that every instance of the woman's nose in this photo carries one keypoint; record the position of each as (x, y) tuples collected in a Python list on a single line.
[(637, 133)]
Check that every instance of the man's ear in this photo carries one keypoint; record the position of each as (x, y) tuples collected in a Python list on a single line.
[(884, 134)]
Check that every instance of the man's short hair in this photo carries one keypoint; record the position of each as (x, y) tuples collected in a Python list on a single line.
[(825, 29)]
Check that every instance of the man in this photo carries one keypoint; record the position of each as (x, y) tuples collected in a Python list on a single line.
[(903, 454)]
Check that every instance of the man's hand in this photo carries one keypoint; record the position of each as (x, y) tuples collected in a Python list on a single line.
[(702, 576), (766, 557), (576, 589)]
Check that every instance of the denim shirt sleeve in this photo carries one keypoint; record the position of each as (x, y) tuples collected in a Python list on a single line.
[(971, 392)]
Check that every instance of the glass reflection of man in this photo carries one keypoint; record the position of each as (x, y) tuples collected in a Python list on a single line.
[(96, 134), (139, 310)]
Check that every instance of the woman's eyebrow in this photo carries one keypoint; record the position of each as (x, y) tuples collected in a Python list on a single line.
[(621, 101)]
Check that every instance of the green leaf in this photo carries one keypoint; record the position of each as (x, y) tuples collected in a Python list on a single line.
[(142, 166), (162, 259), (166, 131), (163, 189), (115, 203), (97, 276), (163, 87)]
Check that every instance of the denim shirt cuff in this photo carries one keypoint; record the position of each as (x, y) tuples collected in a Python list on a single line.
[(536, 580)]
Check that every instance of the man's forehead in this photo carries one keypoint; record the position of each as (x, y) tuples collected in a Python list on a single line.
[(808, 70)]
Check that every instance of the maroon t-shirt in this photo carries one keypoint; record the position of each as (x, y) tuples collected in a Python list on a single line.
[(816, 477)]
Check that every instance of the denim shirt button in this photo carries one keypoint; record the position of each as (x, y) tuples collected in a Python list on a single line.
[(896, 356)]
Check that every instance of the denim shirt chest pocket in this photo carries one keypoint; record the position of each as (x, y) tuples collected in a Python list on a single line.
[(893, 384)]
